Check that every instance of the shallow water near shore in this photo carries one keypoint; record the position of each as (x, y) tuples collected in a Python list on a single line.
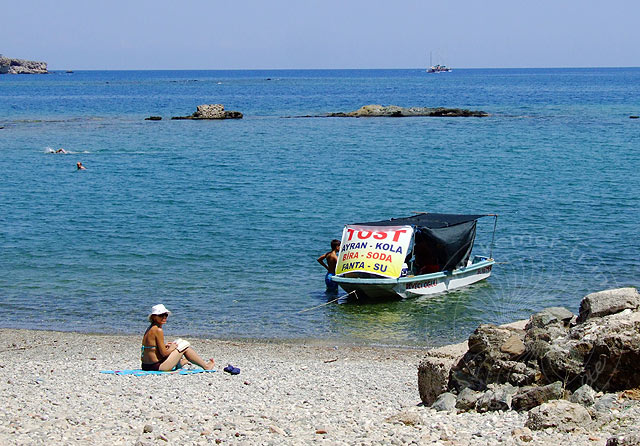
[(222, 220)]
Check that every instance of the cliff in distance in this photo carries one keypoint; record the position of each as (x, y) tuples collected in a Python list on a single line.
[(21, 66)]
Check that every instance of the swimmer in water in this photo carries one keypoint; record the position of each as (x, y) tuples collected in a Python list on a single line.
[(61, 150), (80, 166)]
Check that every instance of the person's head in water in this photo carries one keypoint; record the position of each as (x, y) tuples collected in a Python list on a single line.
[(80, 166), (335, 244)]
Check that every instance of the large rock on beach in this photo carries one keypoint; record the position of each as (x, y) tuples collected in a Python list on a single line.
[(467, 399), (211, 111), (559, 414), (393, 111), (608, 302), (601, 351), (496, 397), (613, 364), (529, 397), (445, 402), (433, 371), (553, 354), (630, 439), (21, 66), (495, 356)]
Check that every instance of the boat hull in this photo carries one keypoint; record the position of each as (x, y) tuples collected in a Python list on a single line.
[(416, 286)]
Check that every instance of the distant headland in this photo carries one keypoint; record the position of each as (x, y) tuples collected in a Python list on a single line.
[(21, 66)]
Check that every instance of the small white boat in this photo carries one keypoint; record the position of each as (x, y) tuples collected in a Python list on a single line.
[(415, 256), (437, 68)]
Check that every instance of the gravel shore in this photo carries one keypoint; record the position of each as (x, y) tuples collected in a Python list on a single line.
[(286, 393)]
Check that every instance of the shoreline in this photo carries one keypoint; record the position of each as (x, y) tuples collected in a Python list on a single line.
[(317, 342), (286, 393)]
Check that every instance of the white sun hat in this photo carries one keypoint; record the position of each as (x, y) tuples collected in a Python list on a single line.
[(159, 309)]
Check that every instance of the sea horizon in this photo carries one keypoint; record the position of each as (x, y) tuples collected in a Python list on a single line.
[(341, 69)]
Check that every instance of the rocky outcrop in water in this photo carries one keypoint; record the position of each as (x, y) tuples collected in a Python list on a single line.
[(393, 111), (556, 355), (211, 111), (20, 66)]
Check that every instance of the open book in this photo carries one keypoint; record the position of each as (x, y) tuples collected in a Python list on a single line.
[(182, 344)]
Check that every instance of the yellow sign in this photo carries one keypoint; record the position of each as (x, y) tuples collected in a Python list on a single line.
[(378, 250)]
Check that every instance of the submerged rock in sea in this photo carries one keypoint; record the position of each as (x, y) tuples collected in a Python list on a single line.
[(394, 111), (211, 111)]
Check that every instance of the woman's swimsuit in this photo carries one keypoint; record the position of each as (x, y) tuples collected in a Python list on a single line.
[(155, 366)]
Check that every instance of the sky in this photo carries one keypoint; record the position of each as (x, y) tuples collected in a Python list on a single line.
[(327, 34)]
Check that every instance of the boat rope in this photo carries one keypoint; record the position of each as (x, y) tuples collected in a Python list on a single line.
[(327, 303), (493, 237)]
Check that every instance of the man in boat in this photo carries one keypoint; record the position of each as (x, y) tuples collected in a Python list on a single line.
[(426, 257), (332, 260)]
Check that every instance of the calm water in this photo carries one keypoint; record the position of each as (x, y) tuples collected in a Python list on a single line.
[(222, 221)]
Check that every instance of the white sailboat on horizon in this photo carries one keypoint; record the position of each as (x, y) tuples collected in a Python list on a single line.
[(438, 68)]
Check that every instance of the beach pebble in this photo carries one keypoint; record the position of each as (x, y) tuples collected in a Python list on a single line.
[(445, 402), (560, 414), (406, 417), (584, 395), (277, 430), (606, 402)]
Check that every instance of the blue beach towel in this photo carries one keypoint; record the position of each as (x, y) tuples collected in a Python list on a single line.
[(139, 372)]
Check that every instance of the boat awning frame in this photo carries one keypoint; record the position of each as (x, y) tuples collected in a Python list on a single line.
[(428, 220)]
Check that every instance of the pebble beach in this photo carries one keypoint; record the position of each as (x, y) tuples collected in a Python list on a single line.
[(286, 393)]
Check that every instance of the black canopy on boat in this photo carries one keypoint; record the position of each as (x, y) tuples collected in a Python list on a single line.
[(428, 220), (443, 242)]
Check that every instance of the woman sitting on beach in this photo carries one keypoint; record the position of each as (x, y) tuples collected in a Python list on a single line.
[(156, 355)]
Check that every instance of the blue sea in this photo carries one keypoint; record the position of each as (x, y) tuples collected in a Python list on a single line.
[(222, 221)]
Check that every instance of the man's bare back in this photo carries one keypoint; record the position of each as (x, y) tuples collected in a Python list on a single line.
[(331, 257), (332, 261)]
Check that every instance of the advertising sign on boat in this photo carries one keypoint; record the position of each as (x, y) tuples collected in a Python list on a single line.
[(378, 250)]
